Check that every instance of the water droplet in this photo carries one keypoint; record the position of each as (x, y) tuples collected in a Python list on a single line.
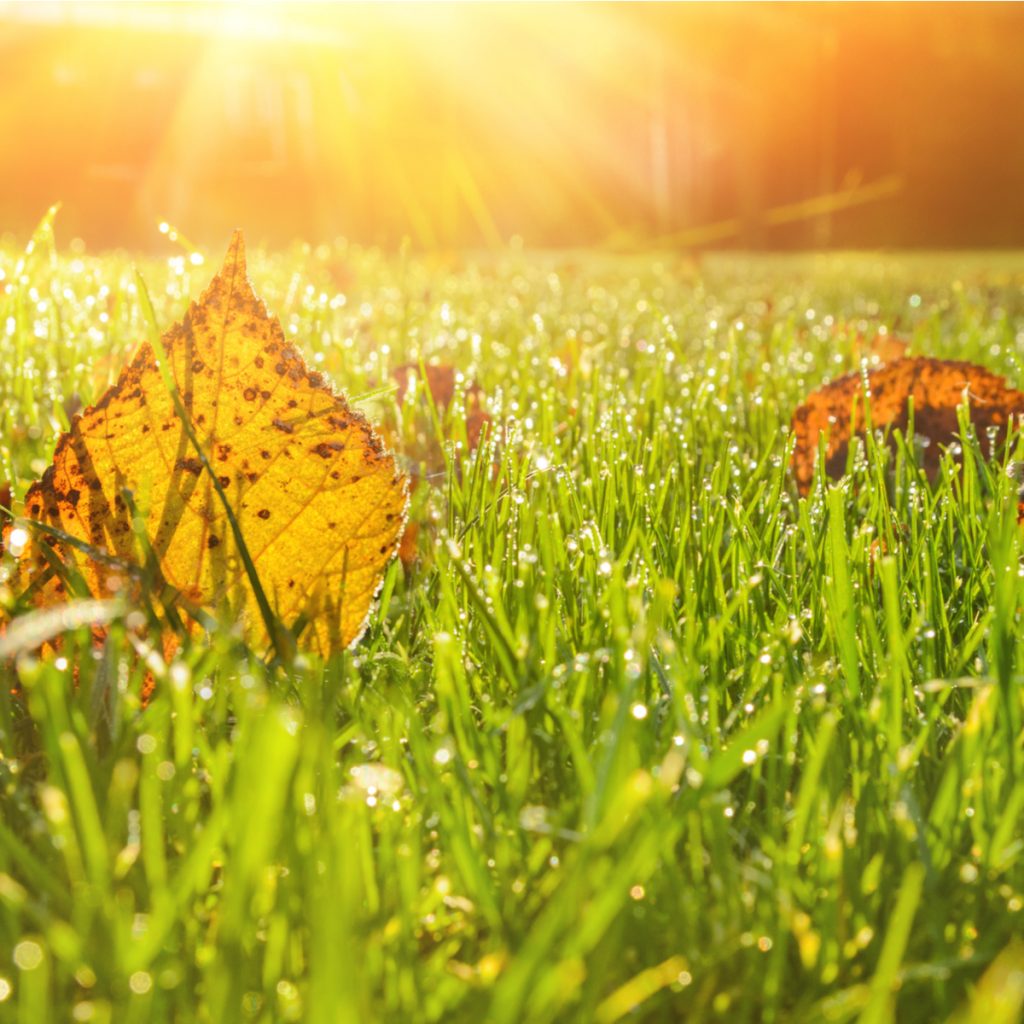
[(28, 955), (140, 982), (373, 779)]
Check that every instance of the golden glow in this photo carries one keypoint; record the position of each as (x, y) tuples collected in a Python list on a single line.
[(462, 124)]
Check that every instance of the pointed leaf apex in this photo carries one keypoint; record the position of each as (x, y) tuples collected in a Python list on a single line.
[(235, 257)]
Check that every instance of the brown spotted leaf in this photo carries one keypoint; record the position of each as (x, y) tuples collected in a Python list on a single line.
[(319, 502), (937, 387)]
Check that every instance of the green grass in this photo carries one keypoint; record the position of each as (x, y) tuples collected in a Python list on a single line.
[(642, 736)]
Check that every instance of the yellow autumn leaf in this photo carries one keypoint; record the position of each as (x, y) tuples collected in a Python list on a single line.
[(318, 501)]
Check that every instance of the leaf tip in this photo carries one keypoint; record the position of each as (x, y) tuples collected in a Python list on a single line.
[(236, 251)]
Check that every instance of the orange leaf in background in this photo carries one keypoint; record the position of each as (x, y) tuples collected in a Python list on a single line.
[(937, 387), (476, 421), (409, 548), (319, 502), (418, 441), (441, 380)]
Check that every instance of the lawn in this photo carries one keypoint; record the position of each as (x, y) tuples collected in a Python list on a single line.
[(639, 735)]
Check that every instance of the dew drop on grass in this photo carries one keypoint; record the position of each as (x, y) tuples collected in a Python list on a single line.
[(180, 675), (16, 541), (28, 955), (140, 982), (375, 780), (533, 818), (968, 873)]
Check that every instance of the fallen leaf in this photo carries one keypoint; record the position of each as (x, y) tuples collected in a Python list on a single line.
[(937, 387), (419, 441), (476, 422), (409, 548), (441, 379), (318, 501)]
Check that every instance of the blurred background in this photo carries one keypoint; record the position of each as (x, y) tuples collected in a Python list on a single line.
[(753, 126)]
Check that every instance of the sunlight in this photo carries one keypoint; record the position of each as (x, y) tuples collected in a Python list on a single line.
[(428, 116), (462, 125)]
